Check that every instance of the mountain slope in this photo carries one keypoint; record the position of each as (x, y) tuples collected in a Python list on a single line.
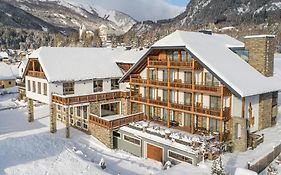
[(76, 13), (244, 16), (18, 18)]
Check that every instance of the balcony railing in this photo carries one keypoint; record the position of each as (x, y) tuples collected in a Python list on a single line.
[(36, 74), (68, 100), (186, 107), (177, 84), (116, 123)]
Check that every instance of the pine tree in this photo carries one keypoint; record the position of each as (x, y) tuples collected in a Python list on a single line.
[(217, 167)]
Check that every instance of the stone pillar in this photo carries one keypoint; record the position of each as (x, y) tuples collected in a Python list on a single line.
[(67, 125), (30, 109), (261, 53), (238, 133), (53, 119), (265, 111)]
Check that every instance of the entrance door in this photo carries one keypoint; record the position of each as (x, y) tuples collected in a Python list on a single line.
[(154, 152)]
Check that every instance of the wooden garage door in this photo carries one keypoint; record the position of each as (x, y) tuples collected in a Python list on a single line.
[(154, 152)]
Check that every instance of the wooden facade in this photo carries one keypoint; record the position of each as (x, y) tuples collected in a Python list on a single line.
[(160, 61), (34, 69)]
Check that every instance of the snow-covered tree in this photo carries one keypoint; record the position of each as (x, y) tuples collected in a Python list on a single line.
[(217, 167), (167, 165), (102, 164), (271, 170)]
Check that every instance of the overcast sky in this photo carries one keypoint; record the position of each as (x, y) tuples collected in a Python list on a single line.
[(146, 9)]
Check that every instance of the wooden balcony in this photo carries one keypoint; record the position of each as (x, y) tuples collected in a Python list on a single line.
[(69, 100), (209, 88), (181, 106), (205, 110), (116, 123), (155, 62), (36, 74), (213, 89)]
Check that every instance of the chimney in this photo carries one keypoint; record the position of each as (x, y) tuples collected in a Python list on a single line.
[(261, 53)]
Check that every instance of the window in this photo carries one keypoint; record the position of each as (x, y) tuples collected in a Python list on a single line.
[(187, 77), (116, 134), (68, 88), (10, 82), (165, 95), (214, 125), (114, 84), (187, 120), (71, 110), (187, 98), (98, 85), (58, 107), (210, 80), (78, 111), (173, 96), (152, 74), (151, 93), (132, 140), (28, 85), (78, 123), (179, 157), (109, 109), (39, 87), (165, 75), (215, 102), (85, 112), (183, 56), (237, 131), (33, 86), (45, 88)]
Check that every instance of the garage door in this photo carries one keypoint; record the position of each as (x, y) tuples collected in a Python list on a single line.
[(154, 152)]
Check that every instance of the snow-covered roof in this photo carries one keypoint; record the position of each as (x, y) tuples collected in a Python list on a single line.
[(130, 56), (74, 64), (6, 72), (214, 53), (4, 55)]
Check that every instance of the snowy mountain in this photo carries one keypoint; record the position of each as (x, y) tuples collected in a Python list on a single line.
[(248, 16), (75, 13)]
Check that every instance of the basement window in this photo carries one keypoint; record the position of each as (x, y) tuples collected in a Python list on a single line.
[(131, 140), (179, 157)]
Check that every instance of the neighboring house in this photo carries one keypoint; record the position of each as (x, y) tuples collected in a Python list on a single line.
[(79, 84), (202, 83), (4, 57), (7, 76), (21, 83)]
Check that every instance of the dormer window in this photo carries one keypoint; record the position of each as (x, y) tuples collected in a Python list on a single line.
[(68, 88), (97, 85), (114, 84)]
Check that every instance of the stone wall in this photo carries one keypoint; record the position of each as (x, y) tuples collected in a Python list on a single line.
[(240, 143), (102, 134), (259, 165), (261, 53), (265, 111)]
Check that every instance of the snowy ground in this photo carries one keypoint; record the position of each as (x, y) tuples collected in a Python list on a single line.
[(29, 148)]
